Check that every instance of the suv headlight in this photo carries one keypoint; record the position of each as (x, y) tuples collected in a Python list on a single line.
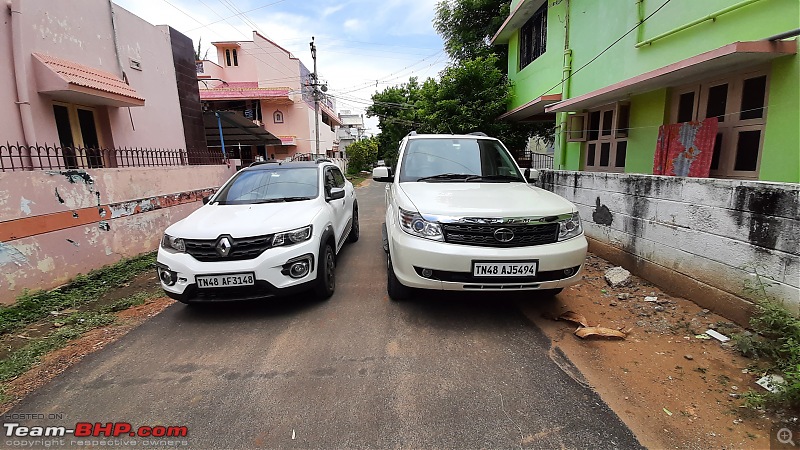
[(413, 224), (569, 228), (172, 243), (292, 237)]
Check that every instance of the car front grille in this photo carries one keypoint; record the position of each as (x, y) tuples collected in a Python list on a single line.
[(484, 235), (242, 248)]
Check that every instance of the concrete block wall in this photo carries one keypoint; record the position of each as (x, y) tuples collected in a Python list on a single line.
[(731, 235), (57, 224)]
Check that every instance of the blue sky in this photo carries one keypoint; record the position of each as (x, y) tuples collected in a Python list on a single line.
[(360, 43)]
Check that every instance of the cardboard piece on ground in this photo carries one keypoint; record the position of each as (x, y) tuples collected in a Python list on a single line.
[(583, 333), (571, 316)]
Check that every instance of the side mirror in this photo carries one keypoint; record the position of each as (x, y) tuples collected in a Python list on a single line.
[(335, 194), (205, 200), (532, 175), (382, 173)]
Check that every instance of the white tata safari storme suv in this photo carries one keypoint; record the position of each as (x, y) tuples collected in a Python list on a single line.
[(273, 228), (461, 216)]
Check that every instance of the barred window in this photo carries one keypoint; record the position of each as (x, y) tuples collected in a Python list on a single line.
[(533, 37)]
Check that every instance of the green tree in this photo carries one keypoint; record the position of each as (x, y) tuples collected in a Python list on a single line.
[(396, 109), (362, 154), (468, 26)]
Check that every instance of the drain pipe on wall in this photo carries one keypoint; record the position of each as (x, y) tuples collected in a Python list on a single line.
[(21, 78), (566, 77)]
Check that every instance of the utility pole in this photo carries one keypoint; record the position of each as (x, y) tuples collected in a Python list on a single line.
[(316, 93)]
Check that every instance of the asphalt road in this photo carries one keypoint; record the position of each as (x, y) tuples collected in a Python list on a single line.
[(356, 371)]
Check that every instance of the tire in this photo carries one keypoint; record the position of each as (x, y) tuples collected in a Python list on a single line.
[(326, 273), (354, 229), (548, 293), (397, 290)]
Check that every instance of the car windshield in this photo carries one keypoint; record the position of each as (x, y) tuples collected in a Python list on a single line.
[(464, 160), (277, 184)]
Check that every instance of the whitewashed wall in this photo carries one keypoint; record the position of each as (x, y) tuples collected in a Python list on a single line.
[(718, 232)]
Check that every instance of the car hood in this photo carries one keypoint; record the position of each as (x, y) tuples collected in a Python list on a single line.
[(211, 221), (485, 200)]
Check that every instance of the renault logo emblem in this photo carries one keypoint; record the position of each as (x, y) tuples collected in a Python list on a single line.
[(504, 235), (224, 246)]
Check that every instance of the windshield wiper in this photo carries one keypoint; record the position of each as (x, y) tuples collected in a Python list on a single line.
[(280, 200), (447, 176), (493, 177)]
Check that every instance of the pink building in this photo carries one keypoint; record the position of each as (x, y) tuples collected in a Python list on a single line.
[(89, 74), (263, 82)]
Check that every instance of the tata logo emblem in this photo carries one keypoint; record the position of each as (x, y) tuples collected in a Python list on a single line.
[(224, 246), (504, 235)]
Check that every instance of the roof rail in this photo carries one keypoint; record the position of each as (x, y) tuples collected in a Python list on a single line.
[(412, 133), (479, 133), (269, 161), (322, 160)]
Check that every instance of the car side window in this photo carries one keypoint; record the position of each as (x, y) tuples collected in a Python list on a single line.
[(330, 181), (338, 177)]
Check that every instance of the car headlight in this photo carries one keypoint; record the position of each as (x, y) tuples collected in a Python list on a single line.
[(569, 228), (413, 224), (292, 237), (172, 243)]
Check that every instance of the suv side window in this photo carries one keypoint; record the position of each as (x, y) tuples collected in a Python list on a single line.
[(330, 181), (338, 178)]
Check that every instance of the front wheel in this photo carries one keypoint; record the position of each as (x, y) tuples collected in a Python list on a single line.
[(326, 273), (354, 229), (397, 290)]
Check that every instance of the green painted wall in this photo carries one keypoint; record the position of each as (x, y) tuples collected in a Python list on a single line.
[(542, 76), (594, 25), (780, 158), (650, 115)]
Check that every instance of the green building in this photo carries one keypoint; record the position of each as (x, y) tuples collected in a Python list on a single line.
[(610, 73)]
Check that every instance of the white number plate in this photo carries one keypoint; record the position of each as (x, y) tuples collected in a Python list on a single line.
[(229, 280), (504, 269)]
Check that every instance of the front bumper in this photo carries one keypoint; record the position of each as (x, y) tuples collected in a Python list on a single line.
[(559, 264), (268, 268)]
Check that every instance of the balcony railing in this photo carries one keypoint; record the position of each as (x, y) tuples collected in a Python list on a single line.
[(18, 157)]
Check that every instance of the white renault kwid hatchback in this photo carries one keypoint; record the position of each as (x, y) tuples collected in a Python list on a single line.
[(273, 228)]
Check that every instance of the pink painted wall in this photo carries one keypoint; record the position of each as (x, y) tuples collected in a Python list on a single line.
[(50, 259), (81, 31)]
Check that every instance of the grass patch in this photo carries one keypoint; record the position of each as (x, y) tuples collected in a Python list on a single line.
[(136, 299), (32, 306), (356, 179), (777, 341), (74, 326)]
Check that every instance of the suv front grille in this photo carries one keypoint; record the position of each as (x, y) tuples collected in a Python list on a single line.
[(242, 248), (484, 235)]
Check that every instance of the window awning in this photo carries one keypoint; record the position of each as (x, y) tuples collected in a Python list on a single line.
[(524, 11), (732, 57), (76, 83), (533, 111), (236, 129)]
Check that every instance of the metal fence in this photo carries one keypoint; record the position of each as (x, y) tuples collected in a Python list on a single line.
[(18, 157), (533, 160)]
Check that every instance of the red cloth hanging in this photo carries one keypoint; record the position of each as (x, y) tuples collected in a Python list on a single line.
[(685, 149)]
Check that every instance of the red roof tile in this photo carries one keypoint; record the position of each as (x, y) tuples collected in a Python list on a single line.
[(88, 77)]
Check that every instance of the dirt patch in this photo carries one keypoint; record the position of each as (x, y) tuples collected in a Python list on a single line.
[(670, 387), (60, 360)]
